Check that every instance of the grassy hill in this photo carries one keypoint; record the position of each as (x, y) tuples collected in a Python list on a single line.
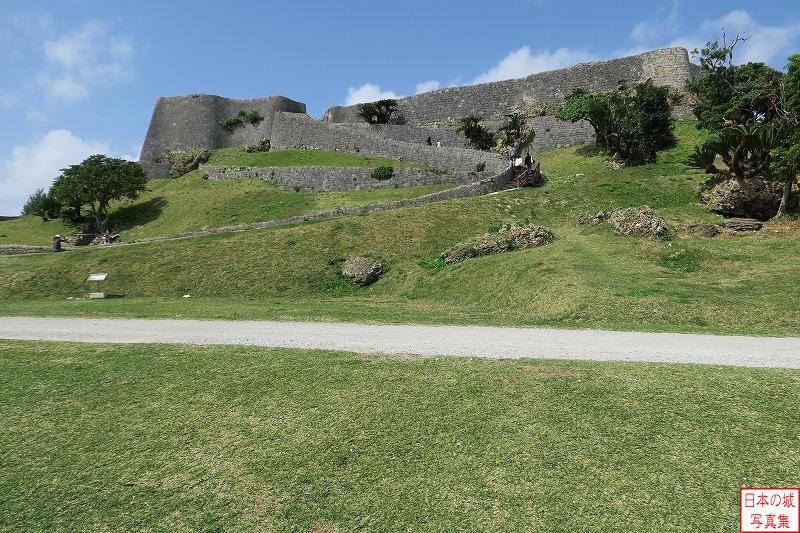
[(588, 277), (190, 203)]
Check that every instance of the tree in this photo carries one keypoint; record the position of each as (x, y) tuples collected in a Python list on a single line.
[(380, 112), (729, 94), (98, 181), (40, 204), (631, 123), (786, 156), (478, 136), (516, 132)]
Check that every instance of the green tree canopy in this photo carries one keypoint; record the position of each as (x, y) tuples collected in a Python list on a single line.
[(98, 181), (380, 112)]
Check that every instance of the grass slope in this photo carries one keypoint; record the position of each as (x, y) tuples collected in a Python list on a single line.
[(238, 157), (228, 438), (587, 278), (191, 203)]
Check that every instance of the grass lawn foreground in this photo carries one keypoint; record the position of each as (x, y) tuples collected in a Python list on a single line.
[(166, 438)]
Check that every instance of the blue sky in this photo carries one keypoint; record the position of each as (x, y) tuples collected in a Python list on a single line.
[(81, 76)]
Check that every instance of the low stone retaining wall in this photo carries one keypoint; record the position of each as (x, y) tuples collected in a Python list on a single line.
[(477, 188), (17, 249), (332, 179)]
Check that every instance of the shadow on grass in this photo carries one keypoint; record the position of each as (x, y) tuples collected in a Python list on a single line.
[(590, 150), (135, 215)]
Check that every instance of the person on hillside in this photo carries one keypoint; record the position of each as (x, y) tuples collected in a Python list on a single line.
[(438, 144), (512, 154), (56, 244), (529, 162), (430, 142), (518, 164)]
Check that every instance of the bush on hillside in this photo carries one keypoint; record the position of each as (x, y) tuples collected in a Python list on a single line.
[(183, 161), (241, 118), (383, 172), (632, 124)]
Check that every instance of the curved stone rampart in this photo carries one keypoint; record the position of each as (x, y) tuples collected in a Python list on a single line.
[(183, 122), (541, 91), (293, 130)]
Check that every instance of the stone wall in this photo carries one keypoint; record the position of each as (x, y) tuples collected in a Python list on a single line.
[(293, 130), (543, 91), (18, 249), (183, 122), (477, 188), (332, 179)]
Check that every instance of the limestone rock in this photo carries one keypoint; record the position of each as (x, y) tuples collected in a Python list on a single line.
[(639, 222), (510, 237), (362, 270), (743, 224), (748, 197), (704, 229)]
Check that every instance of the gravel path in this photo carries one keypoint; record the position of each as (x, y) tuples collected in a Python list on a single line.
[(422, 340)]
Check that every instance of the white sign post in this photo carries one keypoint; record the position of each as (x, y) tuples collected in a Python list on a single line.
[(98, 278)]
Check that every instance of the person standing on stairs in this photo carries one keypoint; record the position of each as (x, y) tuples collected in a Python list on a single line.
[(529, 162)]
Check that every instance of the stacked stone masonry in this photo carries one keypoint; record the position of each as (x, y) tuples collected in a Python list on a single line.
[(537, 94), (332, 179)]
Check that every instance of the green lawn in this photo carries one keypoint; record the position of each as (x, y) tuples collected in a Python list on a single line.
[(149, 437), (237, 156)]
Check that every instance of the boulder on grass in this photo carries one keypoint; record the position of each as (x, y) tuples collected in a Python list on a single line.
[(743, 224), (746, 197), (362, 270), (509, 237), (639, 222)]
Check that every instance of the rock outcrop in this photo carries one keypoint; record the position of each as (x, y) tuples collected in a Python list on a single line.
[(509, 237), (362, 270), (741, 197), (639, 222)]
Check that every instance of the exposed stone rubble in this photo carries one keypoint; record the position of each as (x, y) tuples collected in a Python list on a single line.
[(16, 249), (510, 237), (362, 270), (746, 197), (639, 222)]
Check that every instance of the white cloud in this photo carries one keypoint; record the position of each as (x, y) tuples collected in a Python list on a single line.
[(427, 86), (37, 165), (521, 63), (63, 88), (769, 44), (82, 59), (369, 92), (658, 26)]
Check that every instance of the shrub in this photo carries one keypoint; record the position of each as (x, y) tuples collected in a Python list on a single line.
[(477, 135), (480, 167), (263, 145), (383, 172), (41, 204), (241, 118), (632, 124), (380, 112)]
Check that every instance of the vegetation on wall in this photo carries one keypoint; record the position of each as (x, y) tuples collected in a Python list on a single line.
[(478, 136), (381, 112), (241, 118), (631, 123)]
